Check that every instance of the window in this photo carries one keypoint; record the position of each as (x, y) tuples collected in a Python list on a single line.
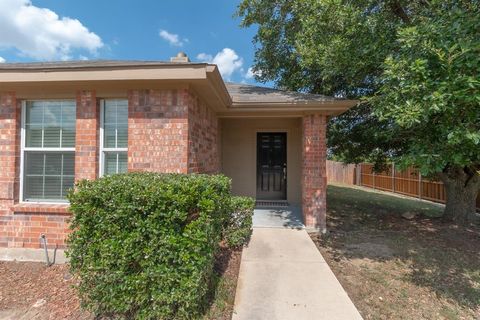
[(113, 136), (48, 150)]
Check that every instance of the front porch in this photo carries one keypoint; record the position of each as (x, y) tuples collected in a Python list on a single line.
[(278, 159), (278, 217)]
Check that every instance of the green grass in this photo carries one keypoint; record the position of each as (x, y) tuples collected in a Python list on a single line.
[(367, 200), (394, 268)]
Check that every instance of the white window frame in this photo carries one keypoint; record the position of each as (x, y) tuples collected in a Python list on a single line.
[(24, 148), (103, 150)]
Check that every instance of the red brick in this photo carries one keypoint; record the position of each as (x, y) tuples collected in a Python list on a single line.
[(169, 131), (314, 177), (87, 136)]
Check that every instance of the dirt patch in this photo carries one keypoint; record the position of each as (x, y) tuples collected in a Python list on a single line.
[(393, 268), (369, 249), (31, 291), (222, 300)]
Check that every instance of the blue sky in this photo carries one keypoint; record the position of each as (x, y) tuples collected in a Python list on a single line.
[(44, 30)]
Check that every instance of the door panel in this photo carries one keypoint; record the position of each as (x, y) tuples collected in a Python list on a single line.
[(271, 166)]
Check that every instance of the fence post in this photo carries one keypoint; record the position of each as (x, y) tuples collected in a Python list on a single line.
[(359, 174), (419, 185), (373, 179), (393, 176)]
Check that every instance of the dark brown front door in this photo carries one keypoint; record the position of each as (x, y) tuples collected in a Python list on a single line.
[(271, 166)]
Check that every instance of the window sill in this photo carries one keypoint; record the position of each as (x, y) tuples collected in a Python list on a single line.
[(50, 208)]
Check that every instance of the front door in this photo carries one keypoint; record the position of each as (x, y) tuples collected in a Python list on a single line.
[(271, 166)]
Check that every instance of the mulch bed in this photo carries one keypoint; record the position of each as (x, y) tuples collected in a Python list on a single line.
[(30, 290), (33, 291)]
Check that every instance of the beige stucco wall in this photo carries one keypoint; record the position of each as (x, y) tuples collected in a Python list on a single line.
[(239, 148)]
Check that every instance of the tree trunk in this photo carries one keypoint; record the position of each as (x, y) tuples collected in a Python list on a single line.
[(461, 186)]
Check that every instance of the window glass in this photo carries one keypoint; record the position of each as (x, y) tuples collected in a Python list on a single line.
[(115, 123), (115, 136), (49, 161), (50, 124), (48, 175)]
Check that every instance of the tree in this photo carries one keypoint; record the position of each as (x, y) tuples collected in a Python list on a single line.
[(431, 88), (414, 65)]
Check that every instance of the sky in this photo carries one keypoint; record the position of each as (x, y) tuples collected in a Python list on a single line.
[(52, 30)]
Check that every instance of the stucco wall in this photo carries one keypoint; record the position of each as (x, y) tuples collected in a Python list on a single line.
[(239, 152)]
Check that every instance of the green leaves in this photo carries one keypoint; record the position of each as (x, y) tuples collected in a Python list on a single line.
[(414, 64), (144, 244), (430, 88), (239, 227)]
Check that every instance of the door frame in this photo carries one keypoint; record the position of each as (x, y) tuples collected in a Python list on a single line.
[(255, 153)]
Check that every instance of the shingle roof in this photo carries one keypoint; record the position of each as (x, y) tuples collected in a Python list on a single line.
[(240, 93), (244, 93), (87, 64)]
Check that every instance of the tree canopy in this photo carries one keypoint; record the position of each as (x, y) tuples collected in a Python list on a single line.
[(415, 65)]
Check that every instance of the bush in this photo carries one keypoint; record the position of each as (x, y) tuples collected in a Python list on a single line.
[(239, 225), (143, 244)]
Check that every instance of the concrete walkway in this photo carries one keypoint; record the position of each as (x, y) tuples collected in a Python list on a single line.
[(284, 276), (286, 217)]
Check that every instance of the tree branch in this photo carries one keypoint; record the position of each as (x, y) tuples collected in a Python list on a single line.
[(398, 10)]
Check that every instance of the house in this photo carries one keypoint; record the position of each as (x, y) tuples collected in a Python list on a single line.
[(65, 121)]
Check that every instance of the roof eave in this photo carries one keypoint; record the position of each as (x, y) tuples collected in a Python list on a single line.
[(333, 107)]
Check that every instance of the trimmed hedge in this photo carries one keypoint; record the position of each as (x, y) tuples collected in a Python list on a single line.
[(239, 225), (144, 244)]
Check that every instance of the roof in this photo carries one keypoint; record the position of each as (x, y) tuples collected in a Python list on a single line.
[(205, 78), (86, 64), (245, 94)]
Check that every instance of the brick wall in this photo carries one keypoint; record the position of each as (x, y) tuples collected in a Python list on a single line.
[(203, 140), (169, 131), (314, 177), (9, 148), (86, 136), (158, 130), (22, 224)]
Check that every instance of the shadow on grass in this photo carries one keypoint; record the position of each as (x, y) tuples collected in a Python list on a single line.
[(440, 256)]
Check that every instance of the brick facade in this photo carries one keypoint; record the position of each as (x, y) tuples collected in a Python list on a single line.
[(170, 130), (9, 150), (314, 176), (86, 136), (158, 130), (203, 138)]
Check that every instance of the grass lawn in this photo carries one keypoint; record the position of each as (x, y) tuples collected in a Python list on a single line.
[(31, 291), (393, 268)]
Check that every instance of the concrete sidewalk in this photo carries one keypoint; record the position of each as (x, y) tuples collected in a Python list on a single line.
[(284, 276)]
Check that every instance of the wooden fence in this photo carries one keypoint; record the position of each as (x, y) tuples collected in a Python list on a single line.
[(337, 172), (409, 182)]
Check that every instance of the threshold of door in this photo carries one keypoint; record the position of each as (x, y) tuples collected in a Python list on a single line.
[(272, 203)]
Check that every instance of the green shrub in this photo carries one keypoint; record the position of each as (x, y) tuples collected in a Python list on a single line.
[(143, 244), (239, 227)]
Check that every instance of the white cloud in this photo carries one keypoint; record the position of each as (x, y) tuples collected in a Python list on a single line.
[(205, 57), (227, 60), (251, 74), (172, 38), (2, 60), (41, 34)]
